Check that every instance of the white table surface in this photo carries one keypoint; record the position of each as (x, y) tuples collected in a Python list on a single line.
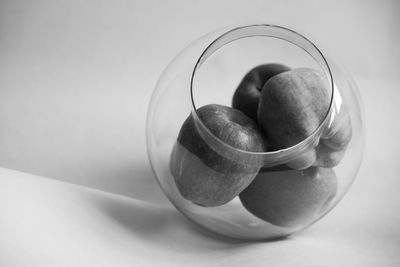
[(75, 80)]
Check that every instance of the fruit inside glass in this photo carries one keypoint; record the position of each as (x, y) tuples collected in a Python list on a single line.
[(253, 133)]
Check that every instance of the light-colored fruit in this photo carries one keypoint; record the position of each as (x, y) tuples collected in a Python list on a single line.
[(292, 106)]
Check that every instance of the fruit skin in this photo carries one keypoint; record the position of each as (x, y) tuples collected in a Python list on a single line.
[(335, 139), (203, 175), (292, 106), (290, 198), (247, 95)]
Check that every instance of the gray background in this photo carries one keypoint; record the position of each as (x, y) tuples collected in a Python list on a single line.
[(76, 78)]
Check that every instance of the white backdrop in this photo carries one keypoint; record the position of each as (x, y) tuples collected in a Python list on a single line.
[(76, 78)]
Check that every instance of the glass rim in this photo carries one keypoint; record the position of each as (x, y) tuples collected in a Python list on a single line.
[(275, 153)]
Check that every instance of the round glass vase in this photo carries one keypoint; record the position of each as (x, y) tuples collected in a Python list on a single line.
[(208, 71)]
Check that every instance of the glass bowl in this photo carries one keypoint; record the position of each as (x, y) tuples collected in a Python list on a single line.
[(211, 176)]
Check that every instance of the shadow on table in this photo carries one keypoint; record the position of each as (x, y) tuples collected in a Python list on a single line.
[(147, 214), (160, 225), (136, 180)]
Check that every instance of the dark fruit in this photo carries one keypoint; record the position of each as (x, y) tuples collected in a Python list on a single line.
[(247, 95), (204, 175), (290, 198)]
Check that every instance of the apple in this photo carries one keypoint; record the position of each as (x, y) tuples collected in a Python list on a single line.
[(290, 198), (247, 95), (202, 173), (335, 138), (292, 106)]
